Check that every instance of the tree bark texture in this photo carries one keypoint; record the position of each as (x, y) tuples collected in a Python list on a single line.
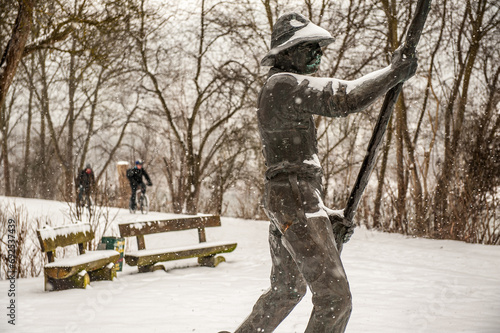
[(8, 67)]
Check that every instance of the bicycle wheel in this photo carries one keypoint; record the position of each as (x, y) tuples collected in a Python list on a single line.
[(144, 204)]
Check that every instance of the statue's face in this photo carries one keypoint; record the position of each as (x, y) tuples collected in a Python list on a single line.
[(309, 57), (305, 58)]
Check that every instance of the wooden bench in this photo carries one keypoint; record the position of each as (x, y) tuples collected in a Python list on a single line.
[(76, 272), (147, 260)]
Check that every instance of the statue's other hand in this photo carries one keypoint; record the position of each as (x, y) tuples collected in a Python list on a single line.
[(348, 233)]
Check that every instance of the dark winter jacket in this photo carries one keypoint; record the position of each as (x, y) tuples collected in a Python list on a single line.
[(286, 106), (86, 179), (135, 175)]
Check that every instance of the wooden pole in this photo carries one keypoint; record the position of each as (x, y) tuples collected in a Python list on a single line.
[(409, 50), (124, 187)]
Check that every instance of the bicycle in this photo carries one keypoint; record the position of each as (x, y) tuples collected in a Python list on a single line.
[(142, 202)]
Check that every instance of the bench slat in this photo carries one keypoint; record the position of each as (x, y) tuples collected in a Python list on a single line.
[(89, 261), (149, 257), (51, 238), (158, 226)]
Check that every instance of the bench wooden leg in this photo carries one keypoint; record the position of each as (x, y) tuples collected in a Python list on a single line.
[(151, 268), (79, 280), (108, 272), (211, 261)]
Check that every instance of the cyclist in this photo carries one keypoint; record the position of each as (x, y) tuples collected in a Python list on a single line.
[(85, 183), (134, 176)]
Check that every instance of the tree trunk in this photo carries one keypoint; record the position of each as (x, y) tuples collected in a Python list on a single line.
[(390, 8), (15, 47), (8, 67), (400, 220), (4, 129), (26, 173), (381, 179), (46, 191), (68, 161), (446, 227)]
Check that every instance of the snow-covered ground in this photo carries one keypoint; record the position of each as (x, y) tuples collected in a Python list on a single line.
[(399, 284)]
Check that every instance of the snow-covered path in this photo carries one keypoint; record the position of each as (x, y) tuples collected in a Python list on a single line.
[(399, 284)]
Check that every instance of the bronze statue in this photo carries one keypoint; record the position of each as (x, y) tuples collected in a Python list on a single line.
[(305, 236)]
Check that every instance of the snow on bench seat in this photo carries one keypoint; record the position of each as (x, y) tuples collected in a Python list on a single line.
[(89, 261), (83, 258)]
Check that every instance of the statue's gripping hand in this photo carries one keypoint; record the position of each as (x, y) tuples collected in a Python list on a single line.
[(342, 228), (403, 65)]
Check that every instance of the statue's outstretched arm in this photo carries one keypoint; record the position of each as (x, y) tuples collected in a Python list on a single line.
[(362, 92)]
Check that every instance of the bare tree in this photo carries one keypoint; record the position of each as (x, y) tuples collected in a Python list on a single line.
[(11, 57), (16, 48), (479, 19), (197, 103)]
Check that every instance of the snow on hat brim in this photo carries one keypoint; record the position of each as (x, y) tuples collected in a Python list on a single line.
[(310, 33)]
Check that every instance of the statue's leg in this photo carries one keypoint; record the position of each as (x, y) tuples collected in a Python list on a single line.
[(313, 248), (303, 247), (287, 289), (311, 242)]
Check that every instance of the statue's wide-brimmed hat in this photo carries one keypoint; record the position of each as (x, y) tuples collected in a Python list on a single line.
[(292, 29)]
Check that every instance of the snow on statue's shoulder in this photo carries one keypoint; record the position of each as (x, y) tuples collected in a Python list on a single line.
[(322, 83), (358, 82), (319, 83)]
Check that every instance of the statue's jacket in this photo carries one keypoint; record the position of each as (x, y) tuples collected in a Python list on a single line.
[(286, 105), (285, 109)]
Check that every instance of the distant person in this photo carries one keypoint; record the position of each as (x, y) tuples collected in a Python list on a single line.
[(134, 176), (85, 183)]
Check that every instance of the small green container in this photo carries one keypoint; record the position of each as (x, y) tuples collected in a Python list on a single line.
[(117, 244)]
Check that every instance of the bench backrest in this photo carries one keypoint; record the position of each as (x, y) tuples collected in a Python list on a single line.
[(52, 238), (139, 229)]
